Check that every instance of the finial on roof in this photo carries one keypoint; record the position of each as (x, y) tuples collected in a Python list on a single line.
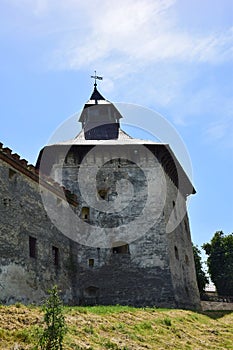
[(96, 77)]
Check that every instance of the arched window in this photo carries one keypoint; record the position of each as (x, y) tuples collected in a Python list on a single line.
[(85, 213)]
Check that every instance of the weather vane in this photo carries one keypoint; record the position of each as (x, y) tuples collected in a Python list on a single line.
[(96, 77)]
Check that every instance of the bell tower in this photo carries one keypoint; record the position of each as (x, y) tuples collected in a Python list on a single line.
[(99, 117)]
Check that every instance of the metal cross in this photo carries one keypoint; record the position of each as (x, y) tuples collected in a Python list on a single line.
[(96, 77)]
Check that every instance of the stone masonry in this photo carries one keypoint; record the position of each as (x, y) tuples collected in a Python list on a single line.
[(111, 256), (29, 242)]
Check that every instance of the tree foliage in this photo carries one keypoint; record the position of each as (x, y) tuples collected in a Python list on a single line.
[(200, 273), (220, 262), (55, 327)]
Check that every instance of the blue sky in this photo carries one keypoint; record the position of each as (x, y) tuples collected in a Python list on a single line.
[(174, 57)]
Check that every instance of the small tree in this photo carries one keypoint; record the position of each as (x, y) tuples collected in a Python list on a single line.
[(220, 262), (200, 273), (55, 329)]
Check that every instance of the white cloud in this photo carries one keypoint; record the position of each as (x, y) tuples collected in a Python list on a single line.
[(126, 33), (220, 133), (139, 46), (138, 33)]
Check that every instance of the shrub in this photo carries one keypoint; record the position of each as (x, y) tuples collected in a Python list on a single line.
[(55, 327)]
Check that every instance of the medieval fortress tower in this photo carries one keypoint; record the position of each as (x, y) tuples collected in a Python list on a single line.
[(103, 216)]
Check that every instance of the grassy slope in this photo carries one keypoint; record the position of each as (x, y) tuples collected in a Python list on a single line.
[(122, 328)]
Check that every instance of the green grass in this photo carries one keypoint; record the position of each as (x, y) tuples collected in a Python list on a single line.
[(102, 310), (121, 328)]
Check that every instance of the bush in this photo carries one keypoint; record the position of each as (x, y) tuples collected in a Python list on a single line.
[(55, 326)]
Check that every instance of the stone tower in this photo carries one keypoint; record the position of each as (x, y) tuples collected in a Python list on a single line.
[(126, 248)]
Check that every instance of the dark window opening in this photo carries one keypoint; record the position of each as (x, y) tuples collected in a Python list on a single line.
[(85, 214), (186, 259), (91, 262), (55, 252), (32, 247), (122, 249), (176, 252), (187, 291), (103, 194), (11, 173)]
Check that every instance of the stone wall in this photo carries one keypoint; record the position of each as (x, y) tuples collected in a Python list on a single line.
[(25, 230), (158, 268), (153, 268), (216, 306)]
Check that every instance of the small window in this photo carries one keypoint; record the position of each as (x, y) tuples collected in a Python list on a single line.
[(176, 252), (85, 214), (186, 259), (174, 208), (91, 262), (32, 247), (55, 252), (11, 173), (103, 194)]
